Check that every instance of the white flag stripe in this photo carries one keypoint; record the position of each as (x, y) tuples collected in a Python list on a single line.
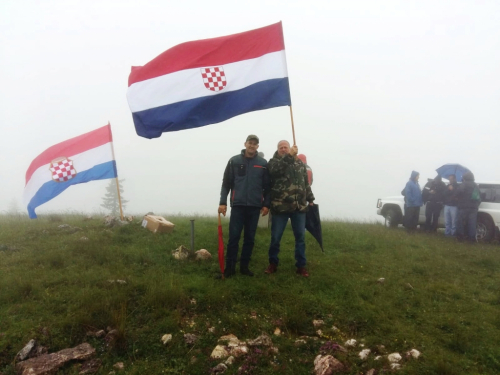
[(81, 162), (188, 84)]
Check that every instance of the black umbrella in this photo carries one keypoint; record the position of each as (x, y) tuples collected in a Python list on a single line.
[(313, 224)]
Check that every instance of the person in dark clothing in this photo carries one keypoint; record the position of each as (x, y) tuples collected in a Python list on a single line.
[(413, 196), (247, 177), (468, 202), (433, 196), (450, 207)]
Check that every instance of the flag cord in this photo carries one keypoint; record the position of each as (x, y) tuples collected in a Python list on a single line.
[(293, 129), (117, 183)]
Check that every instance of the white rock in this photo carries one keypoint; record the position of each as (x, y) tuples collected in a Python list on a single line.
[(203, 254), (381, 280), (378, 357), (229, 361), (395, 366), (121, 282), (119, 366), (300, 342), (319, 332), (277, 332), (238, 351), (193, 301), (219, 352), (351, 343), (166, 338), (318, 323), (335, 329), (413, 353), (327, 365), (231, 339), (211, 330), (394, 357), (364, 354)]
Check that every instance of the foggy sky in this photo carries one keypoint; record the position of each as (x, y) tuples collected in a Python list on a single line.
[(378, 89)]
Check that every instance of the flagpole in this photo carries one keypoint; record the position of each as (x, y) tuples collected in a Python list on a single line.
[(116, 178), (293, 129)]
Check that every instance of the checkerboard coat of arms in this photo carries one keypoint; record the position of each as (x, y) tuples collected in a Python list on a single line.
[(214, 78), (62, 169)]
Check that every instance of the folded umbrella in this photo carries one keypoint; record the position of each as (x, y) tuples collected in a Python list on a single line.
[(457, 169), (313, 224), (221, 249)]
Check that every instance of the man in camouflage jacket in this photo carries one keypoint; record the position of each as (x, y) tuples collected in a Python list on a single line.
[(247, 178), (290, 197)]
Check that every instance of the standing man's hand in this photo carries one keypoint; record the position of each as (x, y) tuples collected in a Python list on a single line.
[(264, 211), (311, 203), (294, 151), (222, 209)]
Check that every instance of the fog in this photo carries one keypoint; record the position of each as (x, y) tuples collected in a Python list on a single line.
[(378, 89)]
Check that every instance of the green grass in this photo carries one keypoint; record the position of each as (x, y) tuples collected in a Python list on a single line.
[(439, 296)]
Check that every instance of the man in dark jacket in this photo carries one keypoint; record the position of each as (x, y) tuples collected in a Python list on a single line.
[(413, 199), (247, 177), (433, 196), (450, 207), (290, 196), (468, 203)]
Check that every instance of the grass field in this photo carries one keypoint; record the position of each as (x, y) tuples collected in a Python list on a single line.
[(439, 297)]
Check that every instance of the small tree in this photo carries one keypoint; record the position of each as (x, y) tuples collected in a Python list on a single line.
[(110, 199)]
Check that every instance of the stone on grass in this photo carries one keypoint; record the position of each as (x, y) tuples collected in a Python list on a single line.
[(350, 343), (166, 338), (363, 355), (394, 357), (395, 366), (203, 254), (121, 282), (24, 353), (381, 280), (335, 329), (190, 338), (90, 367), (370, 372), (118, 366), (219, 352), (211, 329), (229, 361), (219, 369), (319, 332), (277, 332), (299, 342), (414, 353), (238, 351), (181, 253), (327, 365), (231, 340), (262, 340), (50, 363), (62, 226), (84, 238), (318, 323)]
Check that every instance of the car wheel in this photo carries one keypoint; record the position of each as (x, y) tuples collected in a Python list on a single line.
[(391, 218), (485, 229)]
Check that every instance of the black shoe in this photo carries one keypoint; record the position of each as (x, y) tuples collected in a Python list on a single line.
[(229, 271), (245, 271)]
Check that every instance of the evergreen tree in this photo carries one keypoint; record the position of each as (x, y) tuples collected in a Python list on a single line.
[(110, 199)]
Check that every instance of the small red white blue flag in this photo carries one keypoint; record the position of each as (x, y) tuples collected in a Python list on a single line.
[(209, 81), (81, 159)]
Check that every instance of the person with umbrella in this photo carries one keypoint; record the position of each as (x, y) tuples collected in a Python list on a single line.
[(247, 178), (433, 195), (291, 195), (450, 207)]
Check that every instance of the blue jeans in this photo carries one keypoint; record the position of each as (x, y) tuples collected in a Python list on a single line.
[(278, 225), (242, 217), (467, 218), (450, 219)]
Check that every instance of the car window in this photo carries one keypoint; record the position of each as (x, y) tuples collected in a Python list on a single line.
[(490, 193)]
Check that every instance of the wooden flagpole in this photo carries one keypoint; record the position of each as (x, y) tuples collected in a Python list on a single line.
[(116, 178), (293, 129)]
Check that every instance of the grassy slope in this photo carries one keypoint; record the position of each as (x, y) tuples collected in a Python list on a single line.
[(53, 280)]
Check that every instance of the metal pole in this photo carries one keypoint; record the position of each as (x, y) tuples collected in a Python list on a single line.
[(192, 234)]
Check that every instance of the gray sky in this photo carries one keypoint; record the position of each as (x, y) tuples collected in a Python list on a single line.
[(379, 88)]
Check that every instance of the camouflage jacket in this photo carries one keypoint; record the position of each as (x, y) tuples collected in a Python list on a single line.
[(290, 189)]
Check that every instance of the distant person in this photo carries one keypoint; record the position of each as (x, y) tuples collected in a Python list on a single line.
[(413, 197), (247, 177), (308, 168), (433, 197), (290, 197), (469, 199), (450, 207)]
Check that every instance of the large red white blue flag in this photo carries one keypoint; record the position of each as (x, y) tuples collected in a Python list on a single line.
[(81, 159), (209, 81)]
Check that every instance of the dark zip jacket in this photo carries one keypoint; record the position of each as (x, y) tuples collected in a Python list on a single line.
[(290, 189), (248, 181)]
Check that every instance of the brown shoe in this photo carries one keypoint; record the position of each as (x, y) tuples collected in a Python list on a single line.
[(272, 268), (302, 271)]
